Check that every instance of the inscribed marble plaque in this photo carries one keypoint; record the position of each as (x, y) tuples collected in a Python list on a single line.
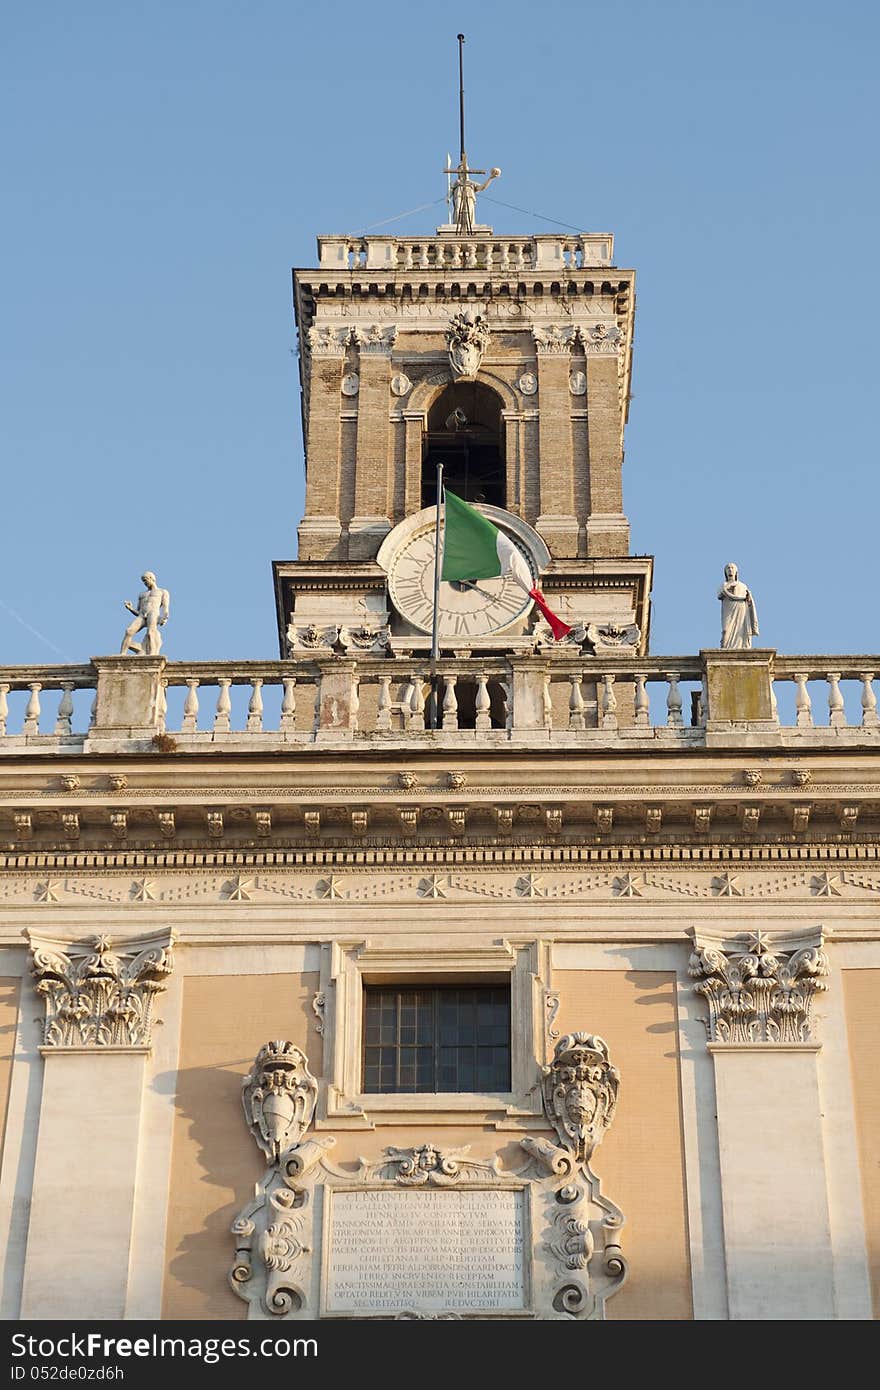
[(429, 1251)]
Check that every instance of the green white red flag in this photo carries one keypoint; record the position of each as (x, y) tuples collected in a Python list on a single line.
[(473, 548)]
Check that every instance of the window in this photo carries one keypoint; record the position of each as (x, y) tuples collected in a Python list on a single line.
[(422, 1039)]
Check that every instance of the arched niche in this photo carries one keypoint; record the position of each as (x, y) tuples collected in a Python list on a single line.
[(464, 431)]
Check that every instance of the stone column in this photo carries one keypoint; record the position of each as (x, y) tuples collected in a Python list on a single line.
[(370, 523), (95, 1041), (557, 522), (777, 1231), (607, 528), (320, 529)]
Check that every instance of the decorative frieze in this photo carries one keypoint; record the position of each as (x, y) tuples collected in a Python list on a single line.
[(98, 995), (759, 987), (279, 1096)]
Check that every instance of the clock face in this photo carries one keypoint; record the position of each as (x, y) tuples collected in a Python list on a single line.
[(478, 610)]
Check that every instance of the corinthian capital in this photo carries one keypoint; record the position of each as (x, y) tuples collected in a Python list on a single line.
[(329, 340), (378, 339), (97, 994), (600, 339), (552, 339), (759, 987)]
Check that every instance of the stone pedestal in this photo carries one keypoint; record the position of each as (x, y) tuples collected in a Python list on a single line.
[(337, 700), (739, 689), (128, 700)]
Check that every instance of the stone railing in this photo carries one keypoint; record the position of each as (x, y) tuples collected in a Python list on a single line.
[(556, 695), (480, 252)]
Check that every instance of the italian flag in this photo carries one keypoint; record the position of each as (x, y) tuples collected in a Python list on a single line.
[(475, 549)]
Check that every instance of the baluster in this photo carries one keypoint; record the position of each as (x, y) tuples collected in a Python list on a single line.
[(162, 705), (869, 700), (63, 723), (576, 703), (93, 711), (483, 704), (32, 713), (774, 703), (4, 708), (802, 702), (673, 701), (417, 705), (504, 256), (836, 712), (383, 716), (546, 701), (424, 261), (407, 257), (255, 706), (190, 708), (354, 703), (288, 703), (224, 707), (609, 704), (642, 702), (450, 703)]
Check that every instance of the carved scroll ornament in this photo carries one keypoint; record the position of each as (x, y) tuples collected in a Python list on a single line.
[(279, 1097), (98, 995)]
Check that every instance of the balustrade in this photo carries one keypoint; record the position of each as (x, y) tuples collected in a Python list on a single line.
[(568, 696)]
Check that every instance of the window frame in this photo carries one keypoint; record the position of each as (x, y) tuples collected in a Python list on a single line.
[(347, 965)]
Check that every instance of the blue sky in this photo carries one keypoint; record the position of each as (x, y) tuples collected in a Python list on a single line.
[(166, 164)]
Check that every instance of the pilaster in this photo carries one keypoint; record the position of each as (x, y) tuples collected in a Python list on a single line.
[(774, 1190), (96, 1040), (607, 528), (320, 529), (370, 523), (557, 522)]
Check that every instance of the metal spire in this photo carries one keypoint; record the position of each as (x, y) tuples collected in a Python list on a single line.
[(463, 191)]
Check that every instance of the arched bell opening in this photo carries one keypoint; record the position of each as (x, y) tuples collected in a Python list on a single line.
[(465, 435)]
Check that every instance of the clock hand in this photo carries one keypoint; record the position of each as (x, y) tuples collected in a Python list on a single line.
[(469, 584)]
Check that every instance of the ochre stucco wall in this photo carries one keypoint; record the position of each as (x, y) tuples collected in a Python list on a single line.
[(641, 1159), (861, 989), (10, 989), (215, 1162)]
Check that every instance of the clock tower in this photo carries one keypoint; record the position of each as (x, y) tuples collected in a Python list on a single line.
[(506, 358)]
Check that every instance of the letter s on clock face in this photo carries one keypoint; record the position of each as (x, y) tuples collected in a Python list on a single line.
[(487, 607)]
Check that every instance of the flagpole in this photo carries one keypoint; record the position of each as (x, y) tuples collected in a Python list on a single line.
[(434, 720)]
